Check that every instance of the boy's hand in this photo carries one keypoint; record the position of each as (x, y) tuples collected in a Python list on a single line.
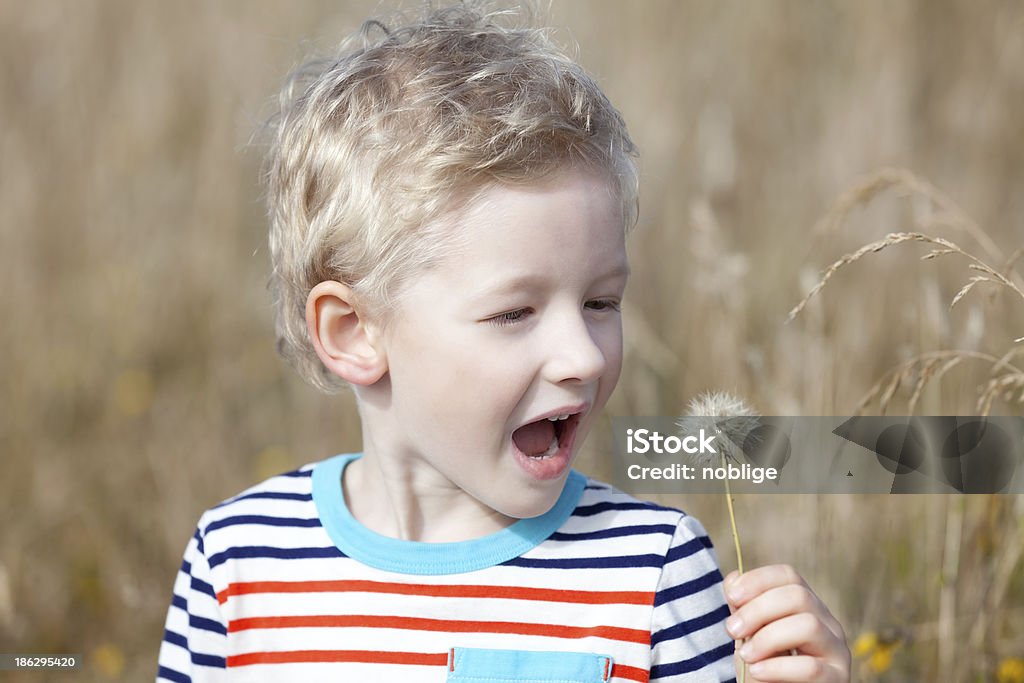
[(778, 614)]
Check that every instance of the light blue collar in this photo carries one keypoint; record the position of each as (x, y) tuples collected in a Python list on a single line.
[(415, 557)]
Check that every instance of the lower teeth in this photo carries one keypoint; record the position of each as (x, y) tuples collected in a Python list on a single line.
[(552, 449)]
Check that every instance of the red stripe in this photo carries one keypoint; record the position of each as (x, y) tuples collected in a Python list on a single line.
[(630, 673), (422, 658), (470, 591), (628, 635)]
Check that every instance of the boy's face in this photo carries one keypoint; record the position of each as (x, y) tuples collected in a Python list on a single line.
[(521, 322)]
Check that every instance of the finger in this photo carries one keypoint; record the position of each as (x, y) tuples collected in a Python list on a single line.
[(739, 588), (775, 604), (801, 669), (742, 588), (803, 632), (729, 578)]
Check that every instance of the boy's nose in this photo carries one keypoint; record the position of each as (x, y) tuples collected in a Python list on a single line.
[(574, 354)]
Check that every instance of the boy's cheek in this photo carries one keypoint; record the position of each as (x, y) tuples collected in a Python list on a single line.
[(614, 369)]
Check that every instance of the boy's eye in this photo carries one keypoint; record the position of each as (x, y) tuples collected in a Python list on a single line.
[(510, 318), (520, 314), (604, 305)]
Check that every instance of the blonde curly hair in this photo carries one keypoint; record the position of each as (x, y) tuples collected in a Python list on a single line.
[(371, 146)]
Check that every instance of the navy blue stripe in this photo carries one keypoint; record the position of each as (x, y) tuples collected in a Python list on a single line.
[(186, 567), (172, 675), (204, 624), (691, 547), (197, 657), (203, 587), (597, 508), (688, 588), (199, 542), (246, 552), (596, 487), (175, 639), (265, 520), (208, 660), (179, 602), (268, 495), (615, 532), (588, 562), (689, 626), (690, 665), (298, 473)]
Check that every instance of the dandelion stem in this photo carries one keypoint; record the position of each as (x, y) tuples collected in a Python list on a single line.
[(732, 521), (703, 412), (736, 541)]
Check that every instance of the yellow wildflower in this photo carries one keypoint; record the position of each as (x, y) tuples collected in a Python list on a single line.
[(108, 660), (881, 659), (865, 644), (1011, 670), (878, 651)]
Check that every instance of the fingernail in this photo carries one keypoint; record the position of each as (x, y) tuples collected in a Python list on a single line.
[(735, 593), (734, 625), (746, 651), (756, 669)]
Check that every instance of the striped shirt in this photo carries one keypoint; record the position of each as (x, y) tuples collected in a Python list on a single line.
[(281, 583)]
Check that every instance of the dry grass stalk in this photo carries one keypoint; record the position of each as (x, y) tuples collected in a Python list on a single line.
[(890, 390), (1004, 362), (890, 240), (921, 369), (928, 369), (907, 184), (931, 366), (948, 592), (1011, 553), (1012, 261), (946, 247), (1007, 385), (946, 213)]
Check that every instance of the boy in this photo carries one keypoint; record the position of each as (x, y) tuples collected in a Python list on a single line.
[(449, 205)]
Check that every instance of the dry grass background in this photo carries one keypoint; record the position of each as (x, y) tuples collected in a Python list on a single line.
[(140, 384)]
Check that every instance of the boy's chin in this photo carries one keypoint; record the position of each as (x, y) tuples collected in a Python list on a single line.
[(534, 506)]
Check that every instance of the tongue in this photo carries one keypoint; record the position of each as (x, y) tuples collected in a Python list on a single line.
[(534, 438)]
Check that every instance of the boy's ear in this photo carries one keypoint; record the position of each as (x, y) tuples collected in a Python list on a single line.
[(344, 340)]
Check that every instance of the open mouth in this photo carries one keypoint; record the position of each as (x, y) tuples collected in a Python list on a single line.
[(544, 438)]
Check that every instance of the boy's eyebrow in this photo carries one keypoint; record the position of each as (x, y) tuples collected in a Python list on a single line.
[(621, 270), (529, 280), (512, 285)]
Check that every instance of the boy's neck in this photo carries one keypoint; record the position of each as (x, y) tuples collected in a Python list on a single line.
[(395, 498)]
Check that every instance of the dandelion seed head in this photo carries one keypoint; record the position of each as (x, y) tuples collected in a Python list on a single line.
[(724, 415), (719, 404)]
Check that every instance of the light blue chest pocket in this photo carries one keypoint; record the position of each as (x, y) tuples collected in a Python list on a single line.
[(474, 665)]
